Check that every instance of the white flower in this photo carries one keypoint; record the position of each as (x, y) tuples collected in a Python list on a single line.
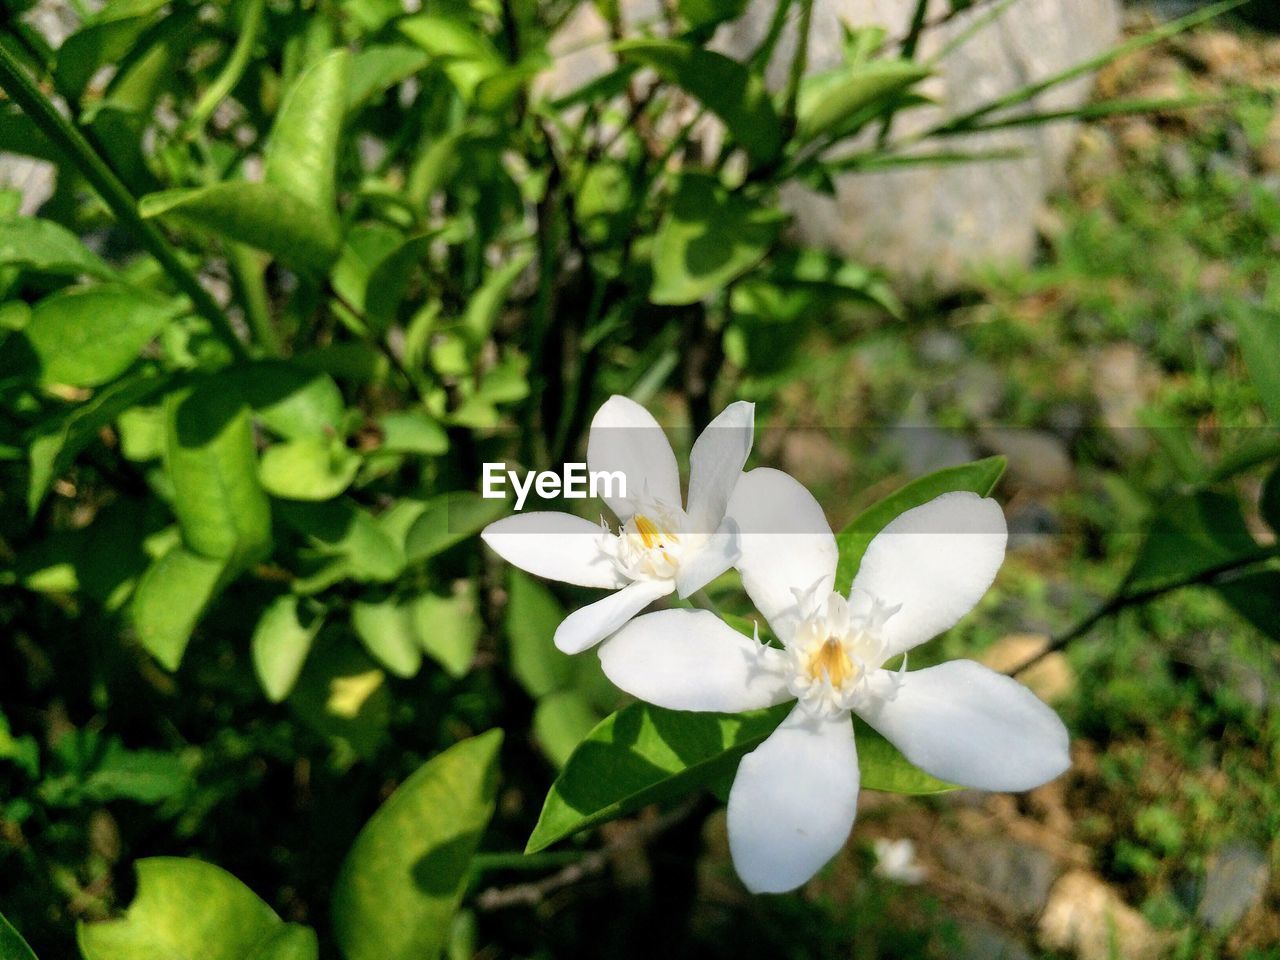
[(896, 861), (793, 800), (660, 547)]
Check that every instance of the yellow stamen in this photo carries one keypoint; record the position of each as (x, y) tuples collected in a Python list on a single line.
[(831, 660), (650, 534)]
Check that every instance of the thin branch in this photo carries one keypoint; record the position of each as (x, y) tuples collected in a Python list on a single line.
[(67, 137), (1123, 600), (592, 864)]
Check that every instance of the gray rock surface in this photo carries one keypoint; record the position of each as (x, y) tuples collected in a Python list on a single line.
[(1015, 875), (927, 225), (1235, 881)]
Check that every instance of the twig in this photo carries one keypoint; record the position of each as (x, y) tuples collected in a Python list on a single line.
[(66, 136), (592, 864), (1123, 600)]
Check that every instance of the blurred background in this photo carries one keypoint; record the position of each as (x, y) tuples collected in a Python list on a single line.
[(1068, 304)]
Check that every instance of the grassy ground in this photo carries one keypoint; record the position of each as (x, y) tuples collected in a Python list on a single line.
[(1111, 371)]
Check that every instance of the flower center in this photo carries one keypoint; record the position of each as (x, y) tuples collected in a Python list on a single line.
[(833, 651), (651, 543)]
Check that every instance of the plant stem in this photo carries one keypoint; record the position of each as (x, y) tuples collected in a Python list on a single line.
[(1123, 600), (231, 72), (64, 135), (800, 60), (246, 266)]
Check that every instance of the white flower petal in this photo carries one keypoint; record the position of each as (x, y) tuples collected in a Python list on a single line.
[(786, 543), (693, 660), (936, 560), (717, 554), (793, 801), (625, 437), (588, 625), (716, 463), (969, 725), (558, 546)]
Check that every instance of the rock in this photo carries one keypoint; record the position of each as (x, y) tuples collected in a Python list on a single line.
[(1051, 679), (982, 941), (1038, 460), (924, 225), (1015, 876), (1088, 918), (1124, 381), (1234, 883)]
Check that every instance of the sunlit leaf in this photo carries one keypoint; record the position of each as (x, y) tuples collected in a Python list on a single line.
[(643, 754), (561, 721), (308, 468), (210, 458), (829, 101), (171, 597), (47, 247), (979, 477), (185, 910), (530, 620), (723, 85), (280, 644), (1258, 331), (258, 214), (448, 519), (708, 238), (402, 881), (302, 152), (387, 631), (448, 627), (88, 336)]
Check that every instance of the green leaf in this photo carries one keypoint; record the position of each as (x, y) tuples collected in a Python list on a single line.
[(261, 215), (389, 281), (209, 455), (387, 631), (12, 946), (280, 646), (43, 246), (829, 101), (1191, 535), (349, 539), (88, 336), (724, 86), (531, 618), (378, 67), (979, 477), (105, 38), (484, 305), (308, 468), (708, 238), (290, 942), (412, 431), (302, 153), (643, 754), (290, 400), (1259, 335), (561, 721), (171, 597), (1256, 597), (448, 519), (448, 627), (699, 14), (184, 910), (404, 877), (463, 53), (834, 276), (57, 442)]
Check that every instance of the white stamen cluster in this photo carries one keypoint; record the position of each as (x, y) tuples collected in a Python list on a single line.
[(651, 542), (835, 649)]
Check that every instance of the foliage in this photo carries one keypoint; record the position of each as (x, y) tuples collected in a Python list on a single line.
[(305, 268)]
